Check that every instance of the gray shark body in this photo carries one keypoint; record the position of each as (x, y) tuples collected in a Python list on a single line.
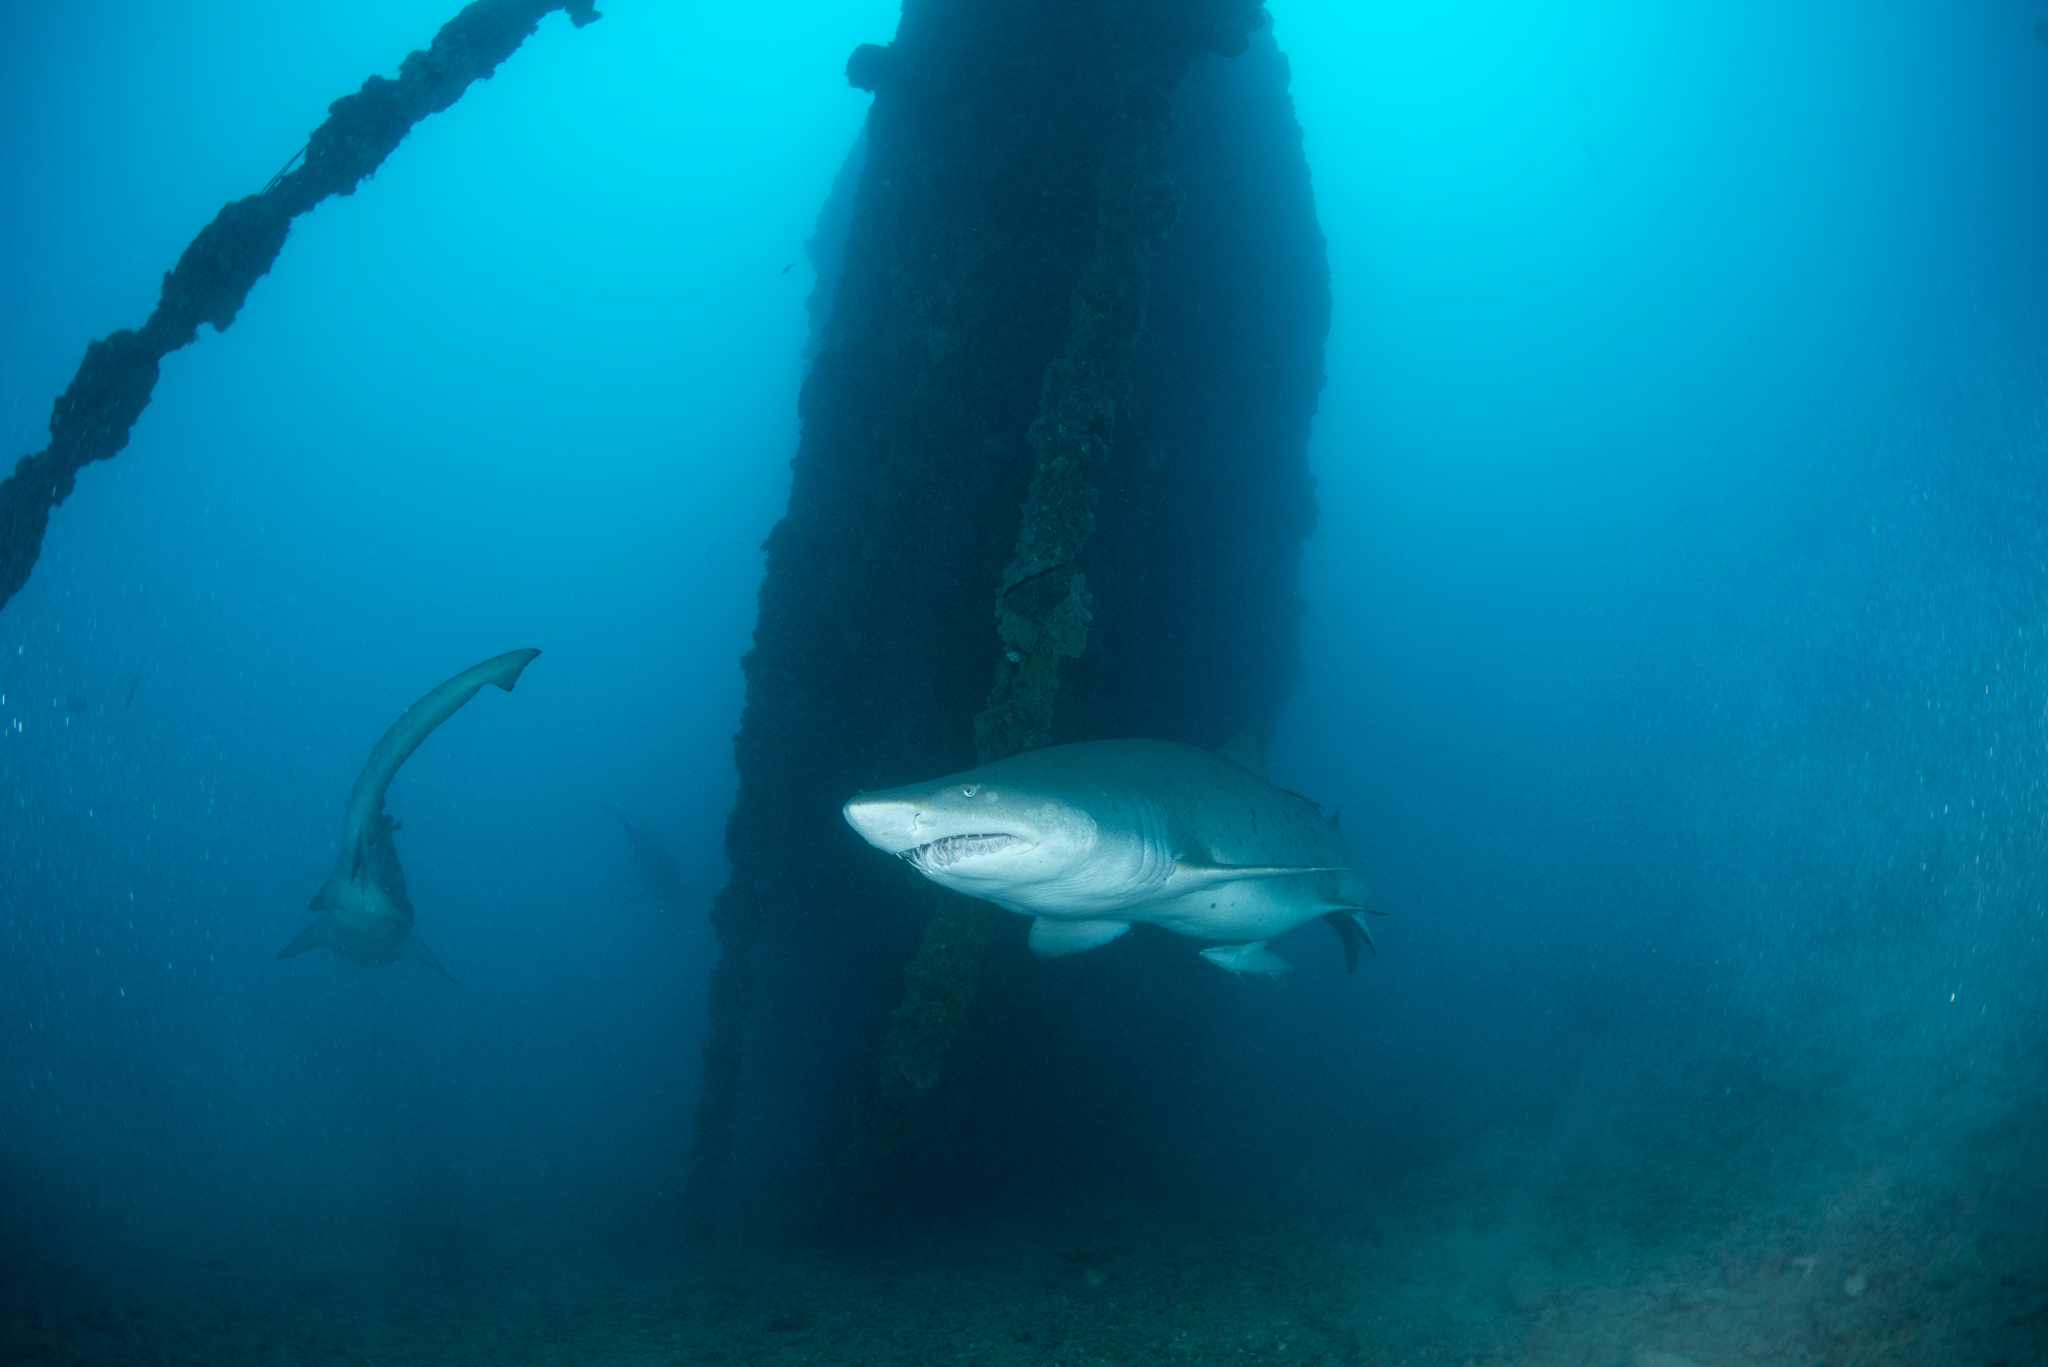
[(365, 914), (660, 879), (1089, 839)]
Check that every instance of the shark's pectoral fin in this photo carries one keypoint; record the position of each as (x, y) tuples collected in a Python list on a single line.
[(1349, 923), (413, 947), (1050, 939), (319, 935), (1200, 873)]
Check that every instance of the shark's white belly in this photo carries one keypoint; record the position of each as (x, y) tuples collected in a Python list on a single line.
[(1250, 910)]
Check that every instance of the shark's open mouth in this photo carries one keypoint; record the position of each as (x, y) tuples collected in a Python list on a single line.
[(942, 854)]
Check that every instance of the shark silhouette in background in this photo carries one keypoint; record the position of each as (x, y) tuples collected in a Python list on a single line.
[(364, 912), (1087, 839), (660, 879)]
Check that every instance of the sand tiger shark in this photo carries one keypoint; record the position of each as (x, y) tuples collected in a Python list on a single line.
[(660, 879), (364, 912), (1088, 839)]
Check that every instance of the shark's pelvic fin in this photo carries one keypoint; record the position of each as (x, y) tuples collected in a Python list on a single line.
[(413, 947), (1050, 939), (1247, 750), (319, 935)]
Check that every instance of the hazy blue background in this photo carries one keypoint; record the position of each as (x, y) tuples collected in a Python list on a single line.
[(1674, 646), (1676, 619), (533, 385)]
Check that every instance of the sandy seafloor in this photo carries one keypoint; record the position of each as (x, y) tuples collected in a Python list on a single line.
[(1872, 1266)]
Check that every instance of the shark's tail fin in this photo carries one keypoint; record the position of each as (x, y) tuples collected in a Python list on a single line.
[(319, 935)]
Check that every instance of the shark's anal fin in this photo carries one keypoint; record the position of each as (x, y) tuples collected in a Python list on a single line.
[(1050, 939), (319, 935), (1349, 923), (413, 947)]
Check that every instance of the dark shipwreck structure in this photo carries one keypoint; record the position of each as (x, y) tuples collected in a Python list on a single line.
[(1051, 486)]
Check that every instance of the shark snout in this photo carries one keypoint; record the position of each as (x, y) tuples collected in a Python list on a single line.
[(897, 822), (886, 823), (939, 833)]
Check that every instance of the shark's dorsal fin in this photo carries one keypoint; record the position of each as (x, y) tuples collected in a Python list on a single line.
[(1247, 750)]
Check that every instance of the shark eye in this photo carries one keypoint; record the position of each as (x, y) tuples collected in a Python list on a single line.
[(968, 790)]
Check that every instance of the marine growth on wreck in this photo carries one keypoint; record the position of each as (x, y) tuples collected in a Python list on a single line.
[(1032, 430)]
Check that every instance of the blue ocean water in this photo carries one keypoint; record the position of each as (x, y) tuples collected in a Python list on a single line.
[(1674, 649)]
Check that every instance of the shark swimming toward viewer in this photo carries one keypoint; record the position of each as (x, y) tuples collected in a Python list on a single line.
[(364, 912), (1088, 839)]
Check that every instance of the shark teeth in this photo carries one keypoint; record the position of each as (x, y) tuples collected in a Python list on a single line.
[(941, 854)]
